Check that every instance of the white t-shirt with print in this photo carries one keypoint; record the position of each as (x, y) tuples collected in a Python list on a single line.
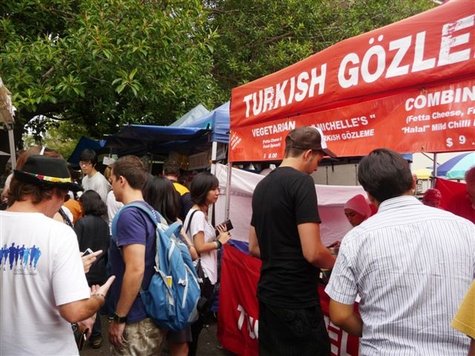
[(209, 260), (40, 269)]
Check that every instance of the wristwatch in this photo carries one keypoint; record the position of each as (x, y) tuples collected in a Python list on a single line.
[(119, 319)]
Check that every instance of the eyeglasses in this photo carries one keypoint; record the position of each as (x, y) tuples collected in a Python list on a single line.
[(83, 163)]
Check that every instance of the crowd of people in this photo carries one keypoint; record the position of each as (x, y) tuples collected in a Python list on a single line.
[(67, 257), (66, 267)]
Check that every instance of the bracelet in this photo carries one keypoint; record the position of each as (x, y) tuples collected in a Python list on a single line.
[(97, 294), (219, 244)]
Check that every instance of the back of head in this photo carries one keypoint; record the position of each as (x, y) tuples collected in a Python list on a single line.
[(201, 184), (171, 168), (88, 155), (132, 169), (160, 193), (470, 176), (385, 174), (92, 204), (306, 138), (432, 197)]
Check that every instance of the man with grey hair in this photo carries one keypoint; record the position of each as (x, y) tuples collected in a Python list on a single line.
[(285, 235)]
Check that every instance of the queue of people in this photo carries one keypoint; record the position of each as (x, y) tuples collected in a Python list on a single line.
[(409, 264)]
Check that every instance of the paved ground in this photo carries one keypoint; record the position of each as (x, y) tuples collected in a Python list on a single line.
[(208, 344)]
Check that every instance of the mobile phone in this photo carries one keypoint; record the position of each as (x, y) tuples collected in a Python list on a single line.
[(228, 224), (88, 251)]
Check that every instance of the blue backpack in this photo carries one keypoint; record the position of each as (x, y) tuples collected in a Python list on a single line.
[(173, 293)]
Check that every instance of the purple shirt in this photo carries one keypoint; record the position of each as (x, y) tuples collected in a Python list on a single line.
[(133, 227)]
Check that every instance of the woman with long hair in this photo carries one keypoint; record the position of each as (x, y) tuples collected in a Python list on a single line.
[(162, 196), (204, 192), (93, 232)]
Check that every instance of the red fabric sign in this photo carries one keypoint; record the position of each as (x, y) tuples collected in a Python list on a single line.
[(449, 189), (409, 86), (238, 316)]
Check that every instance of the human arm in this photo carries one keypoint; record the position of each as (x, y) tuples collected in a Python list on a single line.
[(312, 248), (344, 316), (254, 249), (202, 246), (134, 260), (198, 227), (79, 310)]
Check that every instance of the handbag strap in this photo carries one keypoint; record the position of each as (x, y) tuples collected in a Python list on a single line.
[(189, 222)]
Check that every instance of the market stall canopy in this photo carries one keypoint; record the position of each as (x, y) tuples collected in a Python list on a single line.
[(85, 142), (409, 86), (6, 107), (143, 139), (190, 137), (423, 173), (218, 120), (191, 116), (7, 111), (456, 167)]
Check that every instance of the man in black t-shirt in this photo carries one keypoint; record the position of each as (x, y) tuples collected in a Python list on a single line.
[(285, 235)]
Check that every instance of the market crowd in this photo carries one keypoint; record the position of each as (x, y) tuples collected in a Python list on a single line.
[(67, 256)]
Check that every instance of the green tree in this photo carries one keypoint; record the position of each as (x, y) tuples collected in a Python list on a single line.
[(259, 37), (103, 63)]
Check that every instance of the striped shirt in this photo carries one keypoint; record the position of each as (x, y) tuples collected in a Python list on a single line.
[(411, 265)]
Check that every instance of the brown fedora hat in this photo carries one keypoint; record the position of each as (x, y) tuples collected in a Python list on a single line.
[(47, 171)]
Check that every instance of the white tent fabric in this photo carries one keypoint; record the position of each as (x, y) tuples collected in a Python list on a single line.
[(331, 199), (191, 116)]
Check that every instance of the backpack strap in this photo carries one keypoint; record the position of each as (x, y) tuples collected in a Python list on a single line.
[(156, 218)]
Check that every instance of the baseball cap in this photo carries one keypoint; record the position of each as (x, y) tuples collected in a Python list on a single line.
[(308, 138)]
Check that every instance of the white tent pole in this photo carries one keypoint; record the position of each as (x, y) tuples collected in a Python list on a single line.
[(11, 141), (214, 155), (228, 190), (434, 169)]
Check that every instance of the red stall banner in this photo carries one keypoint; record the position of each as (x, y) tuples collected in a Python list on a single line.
[(409, 86), (238, 316)]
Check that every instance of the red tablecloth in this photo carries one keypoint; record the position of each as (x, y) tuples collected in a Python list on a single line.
[(238, 316)]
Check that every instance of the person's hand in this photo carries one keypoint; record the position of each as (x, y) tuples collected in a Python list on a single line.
[(224, 236), (116, 335), (86, 325), (102, 290), (88, 260)]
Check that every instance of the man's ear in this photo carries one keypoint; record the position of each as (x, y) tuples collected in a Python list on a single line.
[(307, 154)]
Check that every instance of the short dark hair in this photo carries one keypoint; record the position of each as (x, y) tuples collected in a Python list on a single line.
[(385, 174), (201, 184), (171, 167), (92, 204), (131, 168), (160, 193), (88, 155)]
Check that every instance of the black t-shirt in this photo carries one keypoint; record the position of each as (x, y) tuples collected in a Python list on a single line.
[(282, 200), (93, 232)]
